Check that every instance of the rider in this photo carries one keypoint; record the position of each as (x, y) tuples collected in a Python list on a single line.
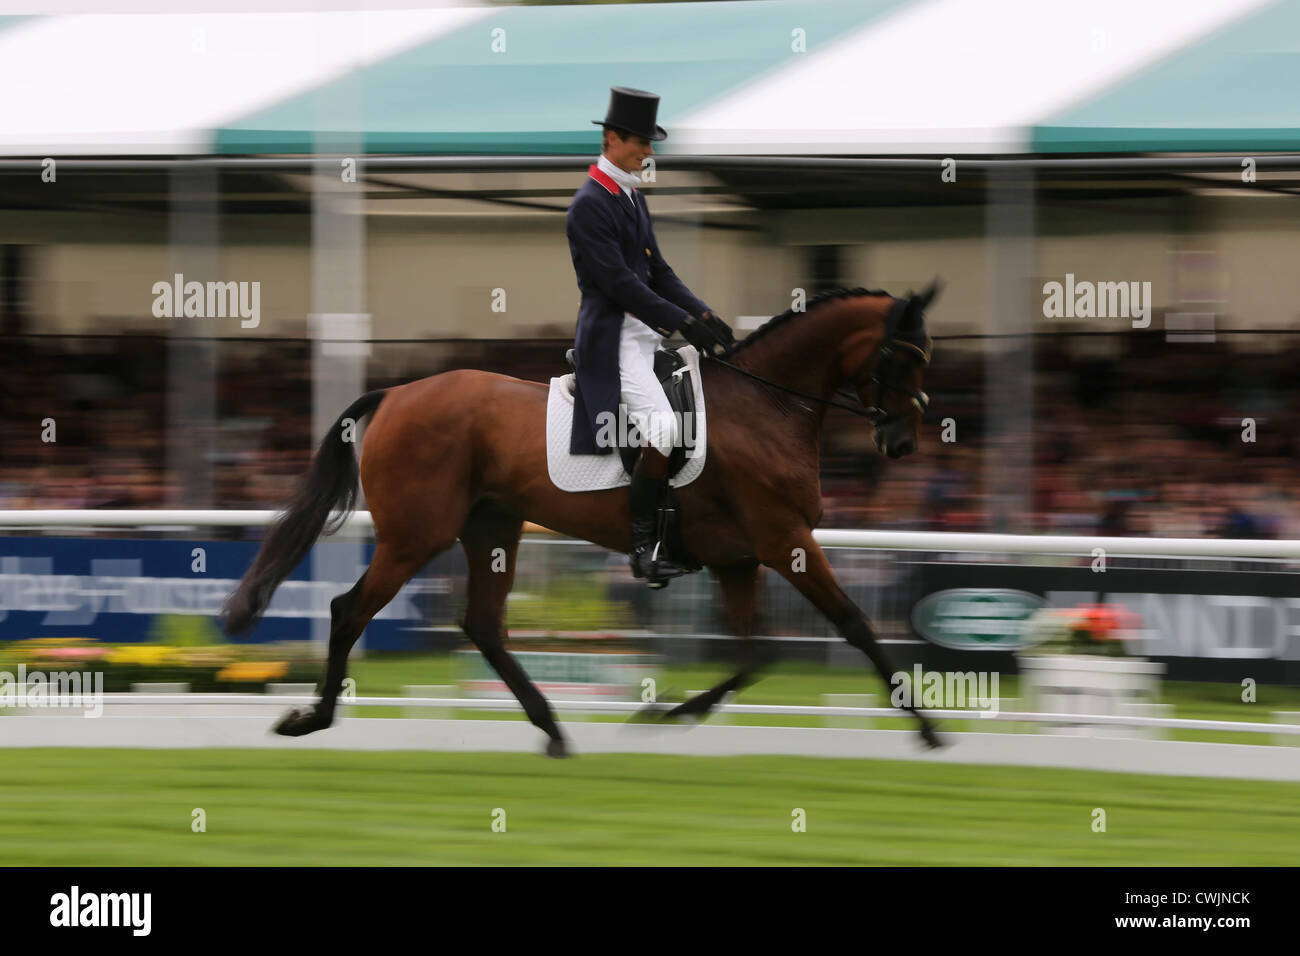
[(631, 300)]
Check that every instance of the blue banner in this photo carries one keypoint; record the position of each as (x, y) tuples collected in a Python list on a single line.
[(118, 590)]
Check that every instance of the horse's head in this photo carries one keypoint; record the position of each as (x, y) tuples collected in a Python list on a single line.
[(893, 390)]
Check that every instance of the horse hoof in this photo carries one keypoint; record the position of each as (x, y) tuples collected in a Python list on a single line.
[(932, 739), (557, 748), (299, 721)]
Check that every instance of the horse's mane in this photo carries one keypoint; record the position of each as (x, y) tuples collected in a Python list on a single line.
[(778, 321)]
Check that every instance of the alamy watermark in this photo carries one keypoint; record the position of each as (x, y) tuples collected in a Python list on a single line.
[(208, 300), (946, 690), (1084, 299), (42, 689), (130, 910), (628, 428)]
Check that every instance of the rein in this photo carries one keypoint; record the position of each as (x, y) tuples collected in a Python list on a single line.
[(877, 414), (855, 409)]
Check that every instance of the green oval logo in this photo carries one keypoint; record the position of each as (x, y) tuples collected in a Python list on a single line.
[(977, 619)]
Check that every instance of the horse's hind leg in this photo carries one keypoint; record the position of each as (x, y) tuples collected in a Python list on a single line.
[(349, 614), (491, 540), (739, 593)]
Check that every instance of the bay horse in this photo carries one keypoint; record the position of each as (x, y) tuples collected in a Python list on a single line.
[(462, 455)]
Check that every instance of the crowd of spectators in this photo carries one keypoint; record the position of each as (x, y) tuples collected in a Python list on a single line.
[(1162, 439)]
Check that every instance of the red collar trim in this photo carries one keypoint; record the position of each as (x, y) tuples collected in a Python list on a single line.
[(603, 178)]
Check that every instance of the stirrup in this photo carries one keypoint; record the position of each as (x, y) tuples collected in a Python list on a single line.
[(663, 571), (647, 566)]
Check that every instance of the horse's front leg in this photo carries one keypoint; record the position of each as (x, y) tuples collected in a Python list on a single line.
[(809, 571)]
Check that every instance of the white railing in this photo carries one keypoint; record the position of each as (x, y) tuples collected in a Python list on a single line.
[(1081, 545), (631, 707), (159, 518)]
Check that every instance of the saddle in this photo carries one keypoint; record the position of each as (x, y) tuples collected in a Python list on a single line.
[(674, 377)]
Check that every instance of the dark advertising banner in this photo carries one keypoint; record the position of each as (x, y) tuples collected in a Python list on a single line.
[(125, 590), (1203, 625)]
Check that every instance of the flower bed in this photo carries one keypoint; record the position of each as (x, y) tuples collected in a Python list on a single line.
[(206, 668), (1080, 666), (1093, 629)]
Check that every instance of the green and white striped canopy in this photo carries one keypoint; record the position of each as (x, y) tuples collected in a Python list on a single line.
[(821, 77)]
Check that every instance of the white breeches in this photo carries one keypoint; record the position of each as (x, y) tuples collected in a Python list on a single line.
[(642, 395)]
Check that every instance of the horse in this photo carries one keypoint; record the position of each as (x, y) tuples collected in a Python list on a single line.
[(462, 456)]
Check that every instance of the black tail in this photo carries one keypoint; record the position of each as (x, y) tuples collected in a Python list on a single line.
[(330, 485)]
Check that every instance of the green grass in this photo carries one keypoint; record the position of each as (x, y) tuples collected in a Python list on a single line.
[(133, 807)]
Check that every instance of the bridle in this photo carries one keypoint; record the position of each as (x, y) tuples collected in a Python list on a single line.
[(883, 380), (885, 364)]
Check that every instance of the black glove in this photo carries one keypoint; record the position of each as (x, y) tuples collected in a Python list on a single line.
[(723, 330), (703, 335)]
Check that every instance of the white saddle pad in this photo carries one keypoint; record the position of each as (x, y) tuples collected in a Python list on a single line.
[(597, 472)]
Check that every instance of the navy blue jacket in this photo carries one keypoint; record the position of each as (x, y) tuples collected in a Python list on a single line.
[(619, 270)]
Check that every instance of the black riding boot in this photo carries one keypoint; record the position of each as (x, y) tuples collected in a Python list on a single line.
[(645, 495)]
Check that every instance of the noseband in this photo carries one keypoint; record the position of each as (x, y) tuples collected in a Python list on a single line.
[(886, 376)]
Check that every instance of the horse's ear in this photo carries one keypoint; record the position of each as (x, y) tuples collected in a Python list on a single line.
[(928, 294), (913, 314)]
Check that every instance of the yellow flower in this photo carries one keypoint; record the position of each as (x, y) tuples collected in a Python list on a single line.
[(247, 672), (148, 655), (214, 656)]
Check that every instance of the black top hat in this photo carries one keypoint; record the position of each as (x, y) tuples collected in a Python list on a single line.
[(633, 111)]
